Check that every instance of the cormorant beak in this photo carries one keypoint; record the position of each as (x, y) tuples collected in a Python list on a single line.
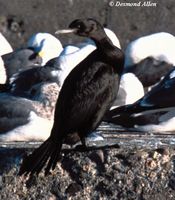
[(64, 31)]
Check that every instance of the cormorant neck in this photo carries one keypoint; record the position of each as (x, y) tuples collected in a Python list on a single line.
[(113, 54), (101, 40)]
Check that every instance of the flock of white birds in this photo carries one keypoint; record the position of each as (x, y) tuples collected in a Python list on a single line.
[(30, 117)]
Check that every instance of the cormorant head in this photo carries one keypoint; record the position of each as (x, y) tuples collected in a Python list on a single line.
[(84, 27)]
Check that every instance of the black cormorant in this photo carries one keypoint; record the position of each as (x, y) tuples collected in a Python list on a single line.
[(86, 95)]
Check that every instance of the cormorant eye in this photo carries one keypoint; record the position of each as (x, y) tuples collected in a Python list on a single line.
[(79, 26)]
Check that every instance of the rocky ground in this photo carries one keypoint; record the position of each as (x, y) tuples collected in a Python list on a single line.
[(121, 171)]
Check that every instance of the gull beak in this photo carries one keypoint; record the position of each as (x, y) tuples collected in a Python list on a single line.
[(64, 31), (41, 54)]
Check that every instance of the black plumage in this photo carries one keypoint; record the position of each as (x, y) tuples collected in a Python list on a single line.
[(87, 93)]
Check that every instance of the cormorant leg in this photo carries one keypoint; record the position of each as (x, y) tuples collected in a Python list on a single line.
[(83, 141)]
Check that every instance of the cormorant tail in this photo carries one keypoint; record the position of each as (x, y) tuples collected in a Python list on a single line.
[(48, 151)]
